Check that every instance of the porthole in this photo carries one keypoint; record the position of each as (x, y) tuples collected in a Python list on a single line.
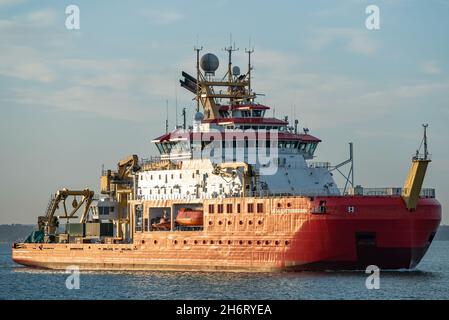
[(250, 242), (175, 241), (287, 243), (220, 222), (229, 222), (279, 204), (195, 242), (143, 242), (240, 222), (250, 222), (267, 242), (289, 204), (210, 222), (212, 242), (259, 222), (277, 242), (185, 241), (229, 241), (240, 242), (258, 242), (155, 241), (220, 242), (204, 241)]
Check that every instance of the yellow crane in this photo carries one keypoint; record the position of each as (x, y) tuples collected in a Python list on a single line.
[(49, 222), (119, 186)]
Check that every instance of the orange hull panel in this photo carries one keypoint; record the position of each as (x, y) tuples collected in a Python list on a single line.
[(381, 232)]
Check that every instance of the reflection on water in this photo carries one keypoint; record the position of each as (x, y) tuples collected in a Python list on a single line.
[(429, 281)]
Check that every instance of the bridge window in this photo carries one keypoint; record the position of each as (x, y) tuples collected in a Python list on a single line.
[(257, 113)]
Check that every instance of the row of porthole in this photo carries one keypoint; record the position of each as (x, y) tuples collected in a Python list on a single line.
[(241, 242), (288, 204), (250, 222)]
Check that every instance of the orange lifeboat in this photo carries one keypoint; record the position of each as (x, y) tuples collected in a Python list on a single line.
[(189, 218)]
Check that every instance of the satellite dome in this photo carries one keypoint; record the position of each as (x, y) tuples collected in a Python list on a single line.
[(209, 63), (199, 116), (236, 71)]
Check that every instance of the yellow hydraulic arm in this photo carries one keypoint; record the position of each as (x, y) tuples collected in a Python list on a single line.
[(413, 183)]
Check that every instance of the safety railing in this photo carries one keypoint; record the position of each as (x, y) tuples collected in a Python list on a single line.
[(335, 192)]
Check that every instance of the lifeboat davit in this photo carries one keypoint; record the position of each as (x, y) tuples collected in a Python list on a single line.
[(189, 218), (163, 224)]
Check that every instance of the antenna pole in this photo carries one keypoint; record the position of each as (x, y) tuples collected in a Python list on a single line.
[(351, 156), (184, 118), (425, 141), (249, 51), (176, 107), (166, 120), (197, 49)]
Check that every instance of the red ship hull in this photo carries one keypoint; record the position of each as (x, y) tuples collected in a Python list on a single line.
[(380, 231)]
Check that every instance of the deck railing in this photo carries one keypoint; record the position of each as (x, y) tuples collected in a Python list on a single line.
[(369, 192)]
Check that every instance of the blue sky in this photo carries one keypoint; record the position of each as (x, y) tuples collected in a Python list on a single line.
[(72, 100)]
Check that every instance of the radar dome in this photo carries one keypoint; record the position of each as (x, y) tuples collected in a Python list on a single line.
[(199, 116), (209, 63)]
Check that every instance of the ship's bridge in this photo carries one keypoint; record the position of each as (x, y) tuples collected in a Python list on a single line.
[(183, 144)]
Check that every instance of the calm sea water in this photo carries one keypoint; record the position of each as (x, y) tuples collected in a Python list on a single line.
[(429, 281)]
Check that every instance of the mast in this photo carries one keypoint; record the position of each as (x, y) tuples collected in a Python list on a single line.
[(184, 118), (230, 49), (249, 51), (197, 49), (426, 153), (166, 119)]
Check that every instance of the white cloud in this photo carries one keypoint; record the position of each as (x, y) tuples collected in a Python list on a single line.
[(354, 40), (10, 2), (24, 63), (430, 67), (163, 17)]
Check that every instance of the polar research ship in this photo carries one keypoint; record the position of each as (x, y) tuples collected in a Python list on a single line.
[(237, 190)]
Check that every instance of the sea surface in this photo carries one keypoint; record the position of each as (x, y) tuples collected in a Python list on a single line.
[(429, 281)]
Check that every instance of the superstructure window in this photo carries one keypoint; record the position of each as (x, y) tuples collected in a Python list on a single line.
[(238, 207), (211, 208), (250, 207), (220, 208), (229, 208), (259, 207)]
